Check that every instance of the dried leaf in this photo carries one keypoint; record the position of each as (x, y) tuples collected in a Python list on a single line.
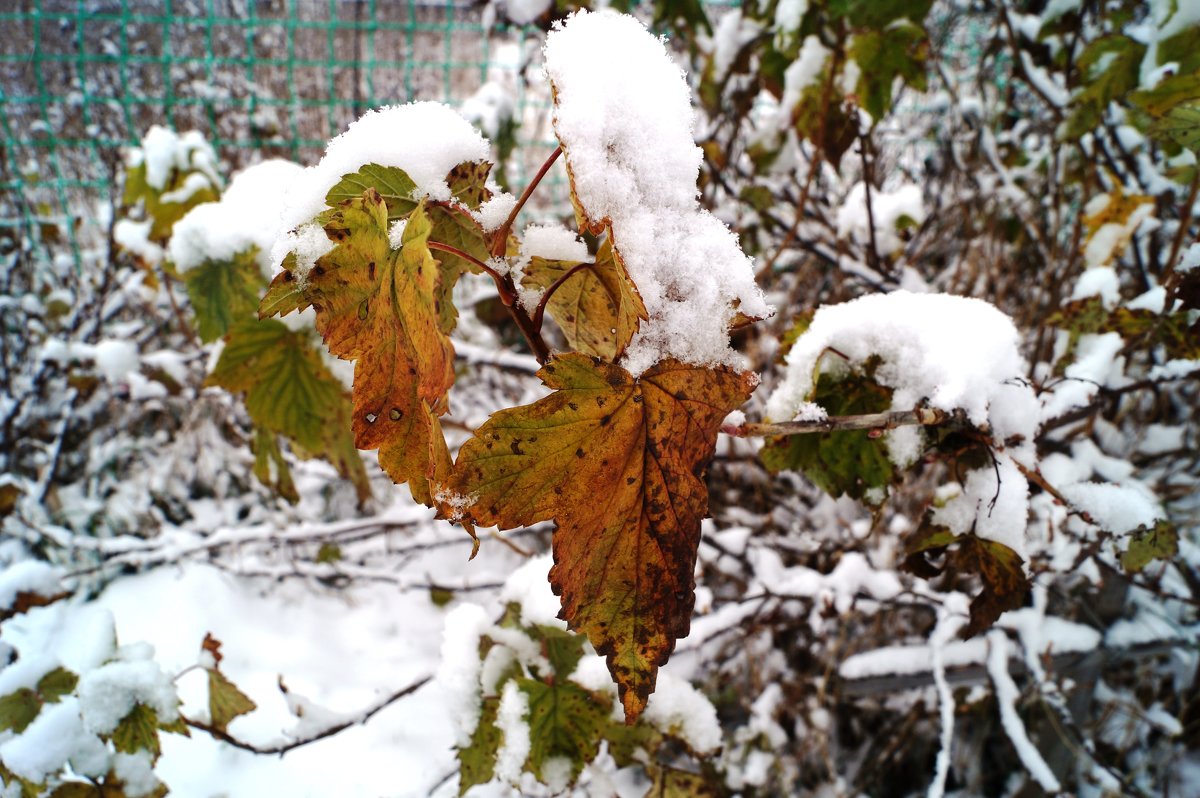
[(598, 308), (1005, 585), (225, 700), (379, 307), (468, 183), (616, 462)]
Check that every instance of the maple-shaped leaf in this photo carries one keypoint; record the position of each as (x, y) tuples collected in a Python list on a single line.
[(392, 184), (597, 307), (380, 307), (138, 731), (291, 392), (616, 461), (225, 700), (224, 291)]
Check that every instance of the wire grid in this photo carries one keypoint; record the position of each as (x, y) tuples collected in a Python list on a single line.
[(82, 79)]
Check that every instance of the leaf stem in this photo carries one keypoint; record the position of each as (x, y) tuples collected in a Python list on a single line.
[(540, 312), (495, 275), (920, 416), (500, 237)]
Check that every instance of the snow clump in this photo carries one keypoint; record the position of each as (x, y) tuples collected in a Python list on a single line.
[(626, 127)]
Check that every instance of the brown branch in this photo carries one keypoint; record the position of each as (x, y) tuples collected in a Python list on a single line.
[(500, 237), (329, 731), (541, 308), (506, 294), (920, 416), (1169, 275)]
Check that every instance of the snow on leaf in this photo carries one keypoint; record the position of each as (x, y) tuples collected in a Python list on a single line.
[(380, 308), (598, 308), (851, 462), (224, 291), (290, 392), (623, 565), (138, 731), (565, 721), (225, 700), (392, 184)]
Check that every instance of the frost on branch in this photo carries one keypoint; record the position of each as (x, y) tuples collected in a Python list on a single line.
[(623, 114)]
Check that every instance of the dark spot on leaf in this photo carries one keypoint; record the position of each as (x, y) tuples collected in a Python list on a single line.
[(637, 398), (579, 452), (572, 405), (516, 447), (288, 276), (371, 270), (604, 421), (630, 480)]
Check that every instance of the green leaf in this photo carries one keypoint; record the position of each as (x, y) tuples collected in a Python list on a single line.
[(138, 731), (1109, 68), (1169, 93), (270, 466), (225, 700), (477, 762), (898, 51), (329, 552), (291, 392), (223, 292), (18, 709), (1159, 542), (564, 721), (394, 186), (845, 462), (177, 726), (598, 308), (1180, 125), (56, 684), (878, 14)]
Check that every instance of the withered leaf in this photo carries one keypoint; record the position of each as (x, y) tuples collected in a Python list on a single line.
[(380, 308), (598, 308), (617, 462)]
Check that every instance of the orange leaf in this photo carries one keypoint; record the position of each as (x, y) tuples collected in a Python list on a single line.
[(617, 462)]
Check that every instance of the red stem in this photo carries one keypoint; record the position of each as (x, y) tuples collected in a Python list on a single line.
[(541, 308), (500, 237)]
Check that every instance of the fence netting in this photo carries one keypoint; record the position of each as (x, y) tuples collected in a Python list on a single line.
[(81, 80)]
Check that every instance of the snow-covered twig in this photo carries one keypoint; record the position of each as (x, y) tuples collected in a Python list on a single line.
[(328, 731), (920, 416)]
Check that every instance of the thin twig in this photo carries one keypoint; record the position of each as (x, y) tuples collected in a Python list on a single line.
[(540, 312), (328, 731), (1169, 275), (920, 416), (500, 237), (495, 275)]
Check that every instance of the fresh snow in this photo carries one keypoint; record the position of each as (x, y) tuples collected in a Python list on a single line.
[(248, 215), (425, 139), (626, 126)]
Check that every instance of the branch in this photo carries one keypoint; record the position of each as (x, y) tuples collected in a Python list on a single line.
[(920, 416), (328, 731), (506, 295), (541, 308), (500, 237)]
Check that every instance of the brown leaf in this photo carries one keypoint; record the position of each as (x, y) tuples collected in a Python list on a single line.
[(617, 462)]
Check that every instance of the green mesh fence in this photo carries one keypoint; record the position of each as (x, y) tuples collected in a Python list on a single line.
[(82, 79)]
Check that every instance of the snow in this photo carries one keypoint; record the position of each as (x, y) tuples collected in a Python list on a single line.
[(459, 669), (164, 151), (116, 360), (888, 207), (788, 15), (626, 127), (1110, 240), (676, 707), (1116, 508), (27, 576), (1100, 281), (523, 12), (135, 237), (53, 737), (528, 586), (1190, 259), (109, 693), (247, 215), (425, 139), (136, 771), (1006, 698), (494, 212), (989, 509), (805, 71), (810, 411), (511, 720), (733, 31), (553, 242)]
